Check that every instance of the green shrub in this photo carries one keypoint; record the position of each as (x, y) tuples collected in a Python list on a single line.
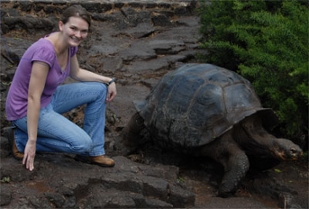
[(267, 43)]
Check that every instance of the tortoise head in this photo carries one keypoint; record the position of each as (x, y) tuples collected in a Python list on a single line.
[(257, 140), (285, 149)]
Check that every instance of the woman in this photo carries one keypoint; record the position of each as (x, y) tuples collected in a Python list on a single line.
[(36, 99)]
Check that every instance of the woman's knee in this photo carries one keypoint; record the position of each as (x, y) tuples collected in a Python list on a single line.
[(101, 89), (84, 145)]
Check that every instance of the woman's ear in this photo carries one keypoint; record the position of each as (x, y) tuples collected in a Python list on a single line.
[(60, 25)]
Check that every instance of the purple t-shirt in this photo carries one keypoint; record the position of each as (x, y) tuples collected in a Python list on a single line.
[(17, 98)]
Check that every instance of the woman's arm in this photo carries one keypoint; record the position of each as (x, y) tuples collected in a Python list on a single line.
[(36, 86), (80, 74)]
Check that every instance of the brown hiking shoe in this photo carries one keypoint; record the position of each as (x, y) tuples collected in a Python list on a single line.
[(101, 160), (12, 144)]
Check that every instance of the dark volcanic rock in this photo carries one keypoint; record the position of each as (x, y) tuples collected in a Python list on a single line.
[(65, 183), (137, 42)]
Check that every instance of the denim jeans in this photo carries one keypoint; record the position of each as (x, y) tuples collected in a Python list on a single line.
[(58, 134)]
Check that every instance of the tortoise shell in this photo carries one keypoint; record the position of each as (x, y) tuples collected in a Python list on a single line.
[(197, 103)]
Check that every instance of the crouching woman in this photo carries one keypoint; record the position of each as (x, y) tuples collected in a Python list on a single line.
[(37, 98)]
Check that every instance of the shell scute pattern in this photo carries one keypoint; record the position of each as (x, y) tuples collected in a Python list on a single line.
[(197, 103)]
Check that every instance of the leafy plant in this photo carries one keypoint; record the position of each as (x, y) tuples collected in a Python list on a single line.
[(267, 43)]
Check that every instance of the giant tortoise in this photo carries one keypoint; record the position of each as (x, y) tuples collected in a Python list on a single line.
[(210, 111)]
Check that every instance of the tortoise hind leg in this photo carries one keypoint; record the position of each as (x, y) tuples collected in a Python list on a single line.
[(234, 160), (131, 135)]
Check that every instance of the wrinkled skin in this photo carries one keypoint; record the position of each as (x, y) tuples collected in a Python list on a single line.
[(246, 140)]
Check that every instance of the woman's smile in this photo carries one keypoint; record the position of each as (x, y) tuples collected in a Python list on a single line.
[(76, 29)]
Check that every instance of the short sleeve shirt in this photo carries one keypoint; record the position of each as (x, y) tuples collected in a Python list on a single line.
[(43, 51)]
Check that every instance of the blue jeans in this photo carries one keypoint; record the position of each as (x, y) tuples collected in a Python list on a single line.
[(58, 134)]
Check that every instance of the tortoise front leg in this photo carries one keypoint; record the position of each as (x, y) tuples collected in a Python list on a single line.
[(235, 169), (234, 160)]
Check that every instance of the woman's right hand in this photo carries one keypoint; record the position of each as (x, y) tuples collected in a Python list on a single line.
[(29, 154), (111, 92)]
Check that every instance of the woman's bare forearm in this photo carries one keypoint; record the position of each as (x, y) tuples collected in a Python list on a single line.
[(33, 118), (85, 75)]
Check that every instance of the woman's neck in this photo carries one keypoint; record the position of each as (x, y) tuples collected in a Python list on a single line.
[(57, 40)]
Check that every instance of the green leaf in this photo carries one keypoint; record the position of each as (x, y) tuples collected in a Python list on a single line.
[(181, 179), (277, 170), (5, 179)]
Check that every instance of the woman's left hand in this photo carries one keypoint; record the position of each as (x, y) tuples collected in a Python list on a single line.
[(111, 92)]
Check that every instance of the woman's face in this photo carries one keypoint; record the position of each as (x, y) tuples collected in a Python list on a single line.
[(75, 30)]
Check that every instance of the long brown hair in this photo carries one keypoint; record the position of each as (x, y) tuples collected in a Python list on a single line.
[(76, 11)]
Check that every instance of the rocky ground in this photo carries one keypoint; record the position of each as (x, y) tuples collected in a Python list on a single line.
[(137, 43)]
